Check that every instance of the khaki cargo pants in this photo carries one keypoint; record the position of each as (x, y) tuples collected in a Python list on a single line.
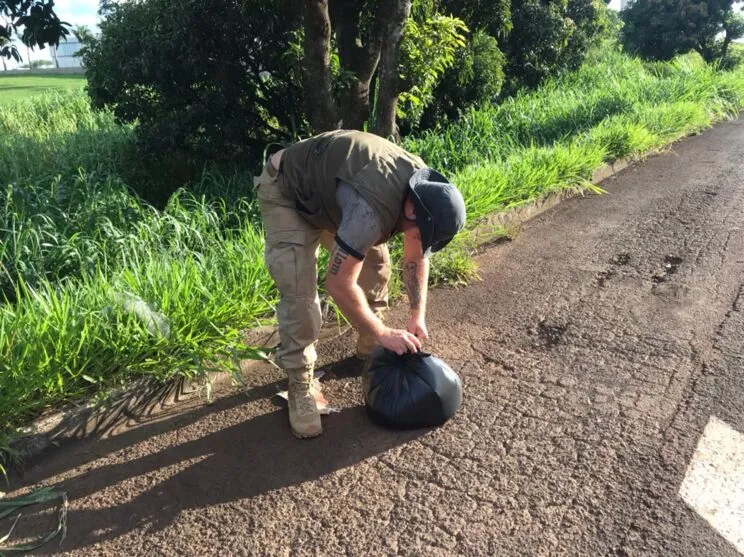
[(291, 256)]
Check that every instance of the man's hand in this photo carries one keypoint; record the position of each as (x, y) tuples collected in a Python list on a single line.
[(399, 341), (417, 326)]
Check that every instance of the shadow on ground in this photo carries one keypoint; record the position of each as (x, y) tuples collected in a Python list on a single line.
[(233, 463)]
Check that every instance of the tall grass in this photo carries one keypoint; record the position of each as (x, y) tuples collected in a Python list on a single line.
[(56, 135), (608, 86), (105, 288), (97, 287)]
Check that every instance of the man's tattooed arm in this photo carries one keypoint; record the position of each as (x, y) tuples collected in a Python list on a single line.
[(412, 285), (341, 284), (338, 256), (415, 277)]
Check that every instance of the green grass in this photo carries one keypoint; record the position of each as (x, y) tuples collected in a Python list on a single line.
[(100, 288), (567, 108), (18, 86), (554, 138)]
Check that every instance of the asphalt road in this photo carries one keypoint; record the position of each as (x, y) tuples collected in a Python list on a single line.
[(595, 350)]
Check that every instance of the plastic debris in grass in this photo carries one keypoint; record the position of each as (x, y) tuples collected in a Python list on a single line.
[(11, 508), (156, 323)]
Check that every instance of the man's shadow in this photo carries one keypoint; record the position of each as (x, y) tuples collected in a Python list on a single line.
[(236, 463)]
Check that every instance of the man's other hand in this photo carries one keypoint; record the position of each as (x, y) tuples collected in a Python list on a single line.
[(417, 326), (399, 341)]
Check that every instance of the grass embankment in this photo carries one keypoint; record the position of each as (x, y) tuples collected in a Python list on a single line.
[(102, 289), (614, 107), (18, 86)]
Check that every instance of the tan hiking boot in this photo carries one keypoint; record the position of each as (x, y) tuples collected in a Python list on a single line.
[(366, 344), (320, 399), (304, 418)]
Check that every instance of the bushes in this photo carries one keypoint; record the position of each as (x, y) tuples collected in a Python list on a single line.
[(211, 82), (539, 38), (206, 81), (475, 79), (661, 30), (550, 38)]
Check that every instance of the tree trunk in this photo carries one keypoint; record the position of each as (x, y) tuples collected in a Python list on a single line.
[(359, 59), (726, 43), (379, 56), (355, 105), (706, 50), (320, 104), (390, 85), (725, 47)]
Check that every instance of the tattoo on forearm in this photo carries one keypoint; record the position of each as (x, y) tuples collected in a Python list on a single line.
[(410, 277), (338, 256)]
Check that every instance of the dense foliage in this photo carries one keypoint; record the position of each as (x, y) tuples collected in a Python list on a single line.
[(661, 29), (220, 89), (33, 20), (475, 79), (539, 38), (216, 88), (550, 37)]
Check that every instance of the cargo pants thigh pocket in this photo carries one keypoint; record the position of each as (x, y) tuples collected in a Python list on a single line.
[(291, 259)]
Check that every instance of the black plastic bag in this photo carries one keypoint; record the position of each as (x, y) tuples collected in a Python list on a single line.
[(410, 391)]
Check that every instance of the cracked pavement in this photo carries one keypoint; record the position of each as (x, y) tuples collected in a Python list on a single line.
[(593, 352)]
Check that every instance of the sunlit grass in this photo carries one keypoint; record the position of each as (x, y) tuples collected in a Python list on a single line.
[(20, 86), (611, 86)]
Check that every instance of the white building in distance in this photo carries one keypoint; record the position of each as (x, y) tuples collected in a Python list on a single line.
[(65, 55)]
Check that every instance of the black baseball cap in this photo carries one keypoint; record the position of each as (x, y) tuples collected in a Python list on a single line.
[(440, 209)]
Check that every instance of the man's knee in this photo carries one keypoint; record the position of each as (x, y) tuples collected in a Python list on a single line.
[(375, 275)]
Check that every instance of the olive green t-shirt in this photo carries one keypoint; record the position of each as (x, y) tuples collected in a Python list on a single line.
[(376, 168)]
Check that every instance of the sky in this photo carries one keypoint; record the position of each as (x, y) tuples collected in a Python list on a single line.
[(78, 12)]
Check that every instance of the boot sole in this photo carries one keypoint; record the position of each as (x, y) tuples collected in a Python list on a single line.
[(299, 435)]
